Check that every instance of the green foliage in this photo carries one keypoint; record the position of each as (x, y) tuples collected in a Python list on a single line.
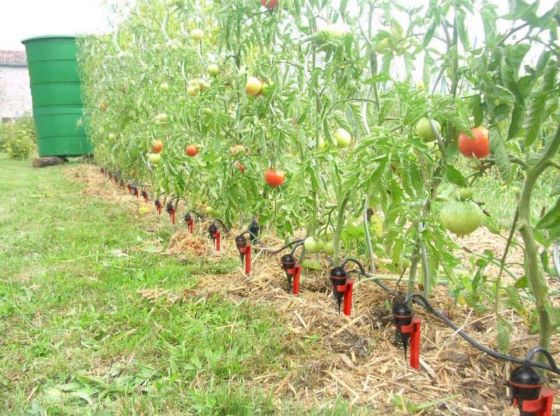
[(328, 66), (18, 138)]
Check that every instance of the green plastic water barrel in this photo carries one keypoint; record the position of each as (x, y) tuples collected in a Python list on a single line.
[(55, 90)]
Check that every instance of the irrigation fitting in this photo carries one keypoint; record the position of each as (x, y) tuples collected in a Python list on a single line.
[(407, 329), (292, 268), (254, 231), (189, 220), (342, 288), (145, 196), (526, 387), (172, 210), (244, 247), (215, 233), (158, 205)]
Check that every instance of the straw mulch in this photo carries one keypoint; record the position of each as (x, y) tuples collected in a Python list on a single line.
[(355, 356)]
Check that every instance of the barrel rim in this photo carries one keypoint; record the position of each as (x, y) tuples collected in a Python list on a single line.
[(24, 41)]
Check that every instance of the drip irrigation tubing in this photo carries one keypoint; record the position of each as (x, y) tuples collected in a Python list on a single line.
[(420, 300)]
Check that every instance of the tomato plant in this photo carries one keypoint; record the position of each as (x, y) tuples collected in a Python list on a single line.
[(367, 105)]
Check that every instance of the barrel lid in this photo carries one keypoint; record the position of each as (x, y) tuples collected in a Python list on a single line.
[(24, 41)]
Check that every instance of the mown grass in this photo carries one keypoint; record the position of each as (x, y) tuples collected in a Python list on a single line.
[(76, 338)]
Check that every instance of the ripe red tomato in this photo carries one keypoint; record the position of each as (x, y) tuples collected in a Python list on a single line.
[(274, 177), (191, 150), (478, 146), (157, 146), (270, 4)]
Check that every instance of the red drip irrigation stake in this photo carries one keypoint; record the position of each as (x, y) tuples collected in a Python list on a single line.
[(244, 248), (414, 330), (348, 297), (248, 251), (296, 272), (190, 225), (346, 291), (538, 407), (218, 240), (543, 405), (173, 217), (527, 392)]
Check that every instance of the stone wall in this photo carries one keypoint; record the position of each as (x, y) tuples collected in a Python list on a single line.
[(15, 95)]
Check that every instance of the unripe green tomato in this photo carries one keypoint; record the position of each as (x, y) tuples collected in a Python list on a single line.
[(154, 158), (192, 90), (312, 245), (465, 194), (311, 264), (384, 46), (461, 217), (424, 130), (342, 137), (213, 69), (329, 248), (197, 34)]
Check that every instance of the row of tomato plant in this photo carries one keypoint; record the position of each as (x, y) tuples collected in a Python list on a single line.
[(314, 116)]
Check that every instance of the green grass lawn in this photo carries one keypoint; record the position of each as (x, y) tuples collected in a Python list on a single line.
[(77, 339)]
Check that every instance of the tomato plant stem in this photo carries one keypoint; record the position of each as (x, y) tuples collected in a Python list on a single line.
[(412, 273), (425, 268), (338, 230), (368, 237), (502, 265), (533, 267)]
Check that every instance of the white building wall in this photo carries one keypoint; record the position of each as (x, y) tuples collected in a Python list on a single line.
[(15, 95)]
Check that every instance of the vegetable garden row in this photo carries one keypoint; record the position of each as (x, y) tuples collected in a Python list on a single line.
[(306, 119)]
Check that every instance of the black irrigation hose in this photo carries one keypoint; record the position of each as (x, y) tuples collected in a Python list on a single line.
[(298, 244), (364, 273), (422, 301), (221, 223), (285, 247), (251, 234)]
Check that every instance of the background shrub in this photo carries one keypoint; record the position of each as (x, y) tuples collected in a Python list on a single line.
[(18, 138)]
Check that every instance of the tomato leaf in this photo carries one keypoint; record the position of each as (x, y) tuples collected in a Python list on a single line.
[(500, 154), (522, 282), (537, 103), (503, 336), (552, 218), (455, 176), (430, 33), (489, 18), (476, 109)]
